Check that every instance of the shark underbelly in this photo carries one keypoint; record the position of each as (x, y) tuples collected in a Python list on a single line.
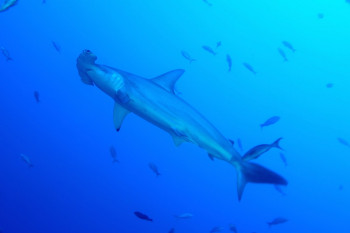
[(179, 119)]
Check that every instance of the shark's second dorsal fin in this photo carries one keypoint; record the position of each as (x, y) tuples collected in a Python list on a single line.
[(119, 114), (168, 80)]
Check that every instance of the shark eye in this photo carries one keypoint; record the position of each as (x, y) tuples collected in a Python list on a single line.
[(87, 51)]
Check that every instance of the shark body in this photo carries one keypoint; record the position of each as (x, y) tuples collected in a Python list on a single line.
[(155, 101)]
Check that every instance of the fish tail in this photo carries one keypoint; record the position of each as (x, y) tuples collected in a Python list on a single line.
[(276, 144), (253, 173)]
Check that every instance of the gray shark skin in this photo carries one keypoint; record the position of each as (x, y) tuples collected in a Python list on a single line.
[(155, 101)]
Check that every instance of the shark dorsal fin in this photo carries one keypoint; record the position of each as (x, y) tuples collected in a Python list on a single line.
[(119, 113), (168, 80)]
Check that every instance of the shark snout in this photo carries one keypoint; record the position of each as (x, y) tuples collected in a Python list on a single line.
[(85, 62)]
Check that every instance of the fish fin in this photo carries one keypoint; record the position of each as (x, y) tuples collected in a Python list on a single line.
[(85, 79), (119, 113), (253, 173), (211, 157), (177, 140), (168, 80), (276, 144)]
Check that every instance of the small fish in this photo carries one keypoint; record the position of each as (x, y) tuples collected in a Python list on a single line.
[(184, 216), (26, 160), (142, 216), (172, 230), (249, 67), (343, 141), (277, 221), (329, 85), (56, 46), (218, 44), (36, 96), (6, 54), (6, 4), (113, 154), (216, 229), (288, 45), (239, 142), (208, 3), (187, 56), (154, 168), (281, 52), (233, 228), (320, 15), (257, 151), (279, 189), (284, 159), (209, 49), (229, 62), (270, 121)]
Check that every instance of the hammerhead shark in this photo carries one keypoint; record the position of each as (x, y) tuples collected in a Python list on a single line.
[(155, 101)]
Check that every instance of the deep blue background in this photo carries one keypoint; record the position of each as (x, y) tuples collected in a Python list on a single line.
[(75, 187)]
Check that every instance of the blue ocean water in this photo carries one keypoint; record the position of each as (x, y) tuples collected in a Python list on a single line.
[(74, 186)]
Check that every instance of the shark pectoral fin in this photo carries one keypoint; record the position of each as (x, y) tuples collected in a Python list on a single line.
[(85, 78), (119, 114), (122, 97), (168, 80), (211, 157)]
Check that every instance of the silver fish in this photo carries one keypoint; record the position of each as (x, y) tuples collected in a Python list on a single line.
[(26, 160), (56, 46), (216, 229), (270, 121), (187, 56), (113, 153), (281, 52), (6, 54), (257, 151), (344, 142), (209, 49), (288, 45), (184, 216), (154, 168), (284, 159), (277, 221), (249, 67), (229, 62)]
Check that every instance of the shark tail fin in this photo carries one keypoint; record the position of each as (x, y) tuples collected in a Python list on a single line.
[(253, 173)]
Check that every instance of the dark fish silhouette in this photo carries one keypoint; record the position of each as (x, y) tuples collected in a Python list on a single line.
[(218, 44), (320, 15), (270, 121), (233, 228), (142, 216), (277, 221), (26, 160), (343, 141), (256, 151), (6, 54), (36, 96), (154, 168), (279, 189), (187, 56), (113, 154), (229, 62), (172, 230), (209, 49), (284, 159), (56, 46), (249, 67), (282, 53), (288, 45)]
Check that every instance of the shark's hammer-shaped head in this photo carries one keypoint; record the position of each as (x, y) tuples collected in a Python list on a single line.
[(85, 63)]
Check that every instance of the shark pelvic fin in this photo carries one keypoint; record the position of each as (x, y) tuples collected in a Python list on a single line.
[(177, 140), (211, 157), (119, 113), (168, 80)]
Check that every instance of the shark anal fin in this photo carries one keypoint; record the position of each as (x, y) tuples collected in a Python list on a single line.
[(168, 80), (119, 114)]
